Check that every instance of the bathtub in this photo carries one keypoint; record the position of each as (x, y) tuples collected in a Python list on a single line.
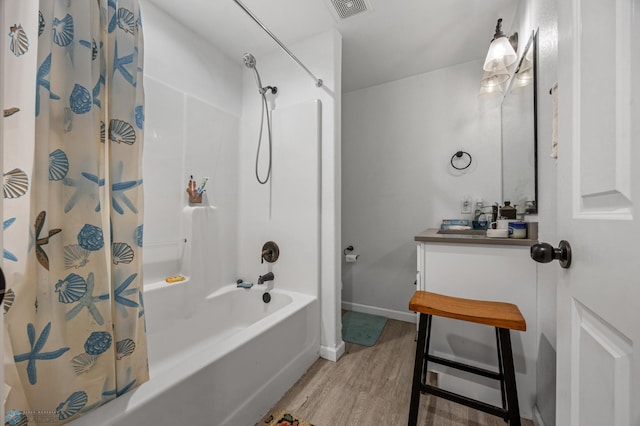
[(223, 361)]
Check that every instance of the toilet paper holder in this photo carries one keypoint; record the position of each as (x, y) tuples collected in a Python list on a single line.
[(350, 258)]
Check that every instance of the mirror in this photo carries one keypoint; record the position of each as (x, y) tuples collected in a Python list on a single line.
[(519, 134)]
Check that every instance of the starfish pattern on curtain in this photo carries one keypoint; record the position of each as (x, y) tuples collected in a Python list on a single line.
[(73, 205)]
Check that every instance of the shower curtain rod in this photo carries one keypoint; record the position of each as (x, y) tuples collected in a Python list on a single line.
[(282, 46)]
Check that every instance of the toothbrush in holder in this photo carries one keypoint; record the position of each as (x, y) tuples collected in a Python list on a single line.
[(202, 185)]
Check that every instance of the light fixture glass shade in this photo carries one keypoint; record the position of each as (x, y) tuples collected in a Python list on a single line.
[(500, 55), (524, 76), (490, 99), (494, 79), (484, 90)]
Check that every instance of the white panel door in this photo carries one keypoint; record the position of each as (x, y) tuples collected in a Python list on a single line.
[(598, 366)]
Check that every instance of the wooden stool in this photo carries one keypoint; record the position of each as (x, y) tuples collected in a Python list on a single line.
[(502, 316)]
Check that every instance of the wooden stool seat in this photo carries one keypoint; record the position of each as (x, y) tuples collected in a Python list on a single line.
[(495, 314), (503, 316)]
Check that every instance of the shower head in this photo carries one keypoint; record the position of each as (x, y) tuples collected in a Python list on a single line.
[(249, 60)]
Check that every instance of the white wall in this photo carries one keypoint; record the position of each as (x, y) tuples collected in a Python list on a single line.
[(180, 58), (542, 15), (193, 102), (321, 54), (397, 180)]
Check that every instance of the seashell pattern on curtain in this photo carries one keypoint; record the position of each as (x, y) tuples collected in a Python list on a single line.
[(73, 207)]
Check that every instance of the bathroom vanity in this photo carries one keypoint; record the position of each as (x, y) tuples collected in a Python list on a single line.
[(473, 266)]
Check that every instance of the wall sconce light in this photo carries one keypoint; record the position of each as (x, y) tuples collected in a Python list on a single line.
[(502, 51), (492, 81), (501, 55)]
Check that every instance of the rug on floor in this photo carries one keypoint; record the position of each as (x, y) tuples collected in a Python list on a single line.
[(362, 329), (282, 418)]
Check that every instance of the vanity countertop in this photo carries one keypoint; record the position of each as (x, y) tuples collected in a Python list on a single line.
[(432, 236)]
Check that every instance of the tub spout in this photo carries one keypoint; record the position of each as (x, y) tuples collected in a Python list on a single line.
[(266, 277)]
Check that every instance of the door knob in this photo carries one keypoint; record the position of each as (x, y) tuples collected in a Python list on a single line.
[(545, 253)]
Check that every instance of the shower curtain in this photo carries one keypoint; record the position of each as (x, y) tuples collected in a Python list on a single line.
[(74, 314)]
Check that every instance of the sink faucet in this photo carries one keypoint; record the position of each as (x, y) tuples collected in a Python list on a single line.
[(266, 277)]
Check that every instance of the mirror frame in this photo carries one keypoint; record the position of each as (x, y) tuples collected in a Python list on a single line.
[(533, 44)]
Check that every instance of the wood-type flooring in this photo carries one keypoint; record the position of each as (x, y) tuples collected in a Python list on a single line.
[(371, 386)]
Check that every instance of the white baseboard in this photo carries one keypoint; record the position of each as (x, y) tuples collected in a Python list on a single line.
[(332, 354), (537, 417), (373, 310)]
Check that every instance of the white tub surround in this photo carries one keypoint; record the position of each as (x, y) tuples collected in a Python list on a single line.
[(300, 208), (193, 93)]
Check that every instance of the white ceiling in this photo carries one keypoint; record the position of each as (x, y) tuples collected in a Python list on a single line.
[(396, 39)]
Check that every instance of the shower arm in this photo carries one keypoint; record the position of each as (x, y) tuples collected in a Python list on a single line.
[(319, 82)]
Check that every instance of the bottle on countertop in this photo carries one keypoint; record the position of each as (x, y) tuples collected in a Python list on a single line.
[(508, 211), (494, 212)]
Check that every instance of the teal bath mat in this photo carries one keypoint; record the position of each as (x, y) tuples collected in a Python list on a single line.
[(362, 329)]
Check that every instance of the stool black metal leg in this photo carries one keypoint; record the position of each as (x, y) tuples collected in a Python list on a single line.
[(509, 377), (426, 349), (501, 371), (417, 371)]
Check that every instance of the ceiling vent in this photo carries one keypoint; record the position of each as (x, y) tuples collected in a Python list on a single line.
[(347, 8)]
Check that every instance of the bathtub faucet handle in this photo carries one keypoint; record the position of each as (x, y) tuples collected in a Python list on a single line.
[(270, 252), (266, 277)]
